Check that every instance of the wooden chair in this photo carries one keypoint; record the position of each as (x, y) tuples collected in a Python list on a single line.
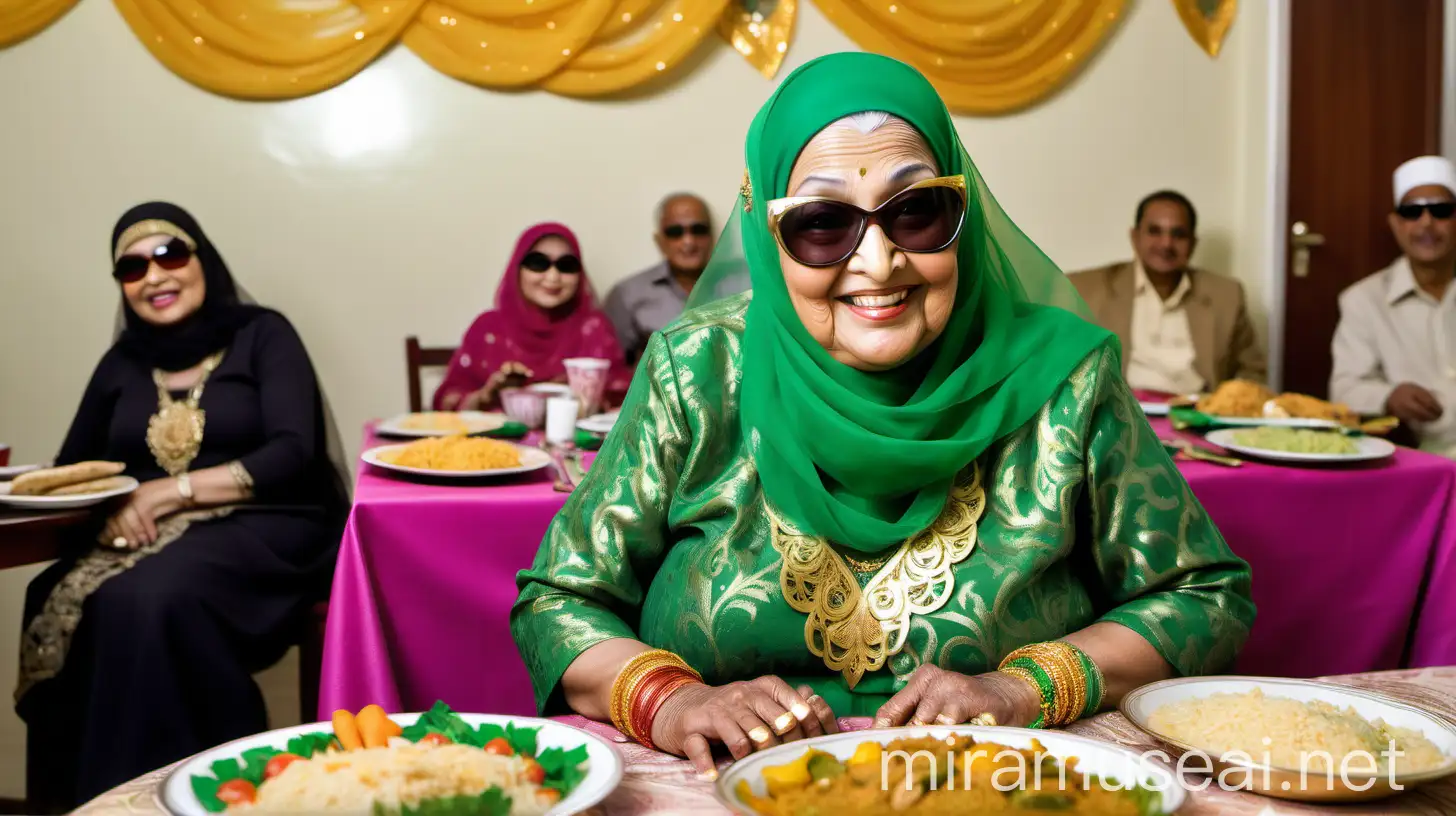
[(417, 357)]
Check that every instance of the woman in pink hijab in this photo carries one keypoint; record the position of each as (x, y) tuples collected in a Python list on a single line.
[(544, 313)]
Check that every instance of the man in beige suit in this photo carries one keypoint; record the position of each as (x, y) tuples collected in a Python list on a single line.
[(1183, 330)]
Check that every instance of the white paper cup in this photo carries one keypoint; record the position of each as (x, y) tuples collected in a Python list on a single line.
[(561, 416), (587, 377)]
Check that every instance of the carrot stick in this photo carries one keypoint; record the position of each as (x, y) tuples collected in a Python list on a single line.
[(375, 727), (347, 730)]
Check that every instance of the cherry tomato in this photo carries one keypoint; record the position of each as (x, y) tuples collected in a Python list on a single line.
[(535, 774), (236, 792), (277, 764), (436, 738), (500, 747)]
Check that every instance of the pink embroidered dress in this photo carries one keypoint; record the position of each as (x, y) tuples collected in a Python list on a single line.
[(519, 331)]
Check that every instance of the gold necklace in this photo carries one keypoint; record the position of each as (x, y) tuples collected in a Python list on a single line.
[(174, 433), (863, 567), (857, 630)]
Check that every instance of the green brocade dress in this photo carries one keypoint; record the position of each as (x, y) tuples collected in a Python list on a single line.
[(1080, 516)]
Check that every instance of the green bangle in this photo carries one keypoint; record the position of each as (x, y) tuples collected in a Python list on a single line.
[(1032, 672), (1096, 684)]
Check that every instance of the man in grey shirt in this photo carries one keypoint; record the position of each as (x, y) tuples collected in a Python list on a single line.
[(654, 297)]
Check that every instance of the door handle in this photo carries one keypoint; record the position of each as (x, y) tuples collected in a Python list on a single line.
[(1302, 240)]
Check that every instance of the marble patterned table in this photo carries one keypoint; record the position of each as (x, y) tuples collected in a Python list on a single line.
[(659, 785)]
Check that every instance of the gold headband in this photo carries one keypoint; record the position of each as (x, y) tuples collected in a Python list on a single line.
[(148, 228)]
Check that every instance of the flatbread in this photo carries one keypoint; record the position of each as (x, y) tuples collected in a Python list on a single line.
[(93, 486), (41, 482)]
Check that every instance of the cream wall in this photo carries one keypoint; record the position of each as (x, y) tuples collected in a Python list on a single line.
[(387, 206)]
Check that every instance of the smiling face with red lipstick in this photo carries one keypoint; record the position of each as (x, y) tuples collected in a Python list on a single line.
[(166, 294), (881, 305)]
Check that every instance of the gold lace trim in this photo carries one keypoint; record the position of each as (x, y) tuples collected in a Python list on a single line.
[(855, 631)]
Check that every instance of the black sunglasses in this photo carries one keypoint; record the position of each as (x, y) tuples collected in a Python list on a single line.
[(540, 262), (819, 231), (676, 231), (172, 255), (1439, 210)]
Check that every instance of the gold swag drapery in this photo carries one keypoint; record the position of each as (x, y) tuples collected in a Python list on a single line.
[(986, 56)]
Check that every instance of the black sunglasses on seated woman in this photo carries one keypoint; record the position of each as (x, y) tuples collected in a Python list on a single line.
[(172, 255), (540, 262), (820, 231)]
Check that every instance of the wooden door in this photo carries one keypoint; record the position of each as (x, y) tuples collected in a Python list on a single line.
[(1364, 96)]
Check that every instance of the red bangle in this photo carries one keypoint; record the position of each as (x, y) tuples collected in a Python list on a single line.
[(651, 692)]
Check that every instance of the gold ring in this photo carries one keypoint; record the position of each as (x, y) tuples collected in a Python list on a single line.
[(119, 542), (946, 719), (984, 718), (759, 735), (785, 723)]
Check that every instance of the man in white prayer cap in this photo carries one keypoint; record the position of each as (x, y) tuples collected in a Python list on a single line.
[(1395, 348)]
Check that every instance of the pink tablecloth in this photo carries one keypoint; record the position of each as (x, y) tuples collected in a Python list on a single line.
[(423, 591), (1353, 571), (1354, 567)]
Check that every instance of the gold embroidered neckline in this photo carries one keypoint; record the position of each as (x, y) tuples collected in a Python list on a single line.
[(857, 630), (174, 432)]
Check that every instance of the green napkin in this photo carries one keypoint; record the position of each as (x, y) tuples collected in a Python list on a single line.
[(586, 440), (1184, 418), (510, 430)]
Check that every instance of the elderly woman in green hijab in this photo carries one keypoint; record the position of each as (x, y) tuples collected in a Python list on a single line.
[(901, 477)]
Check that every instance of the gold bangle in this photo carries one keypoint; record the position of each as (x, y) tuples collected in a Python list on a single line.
[(241, 477), (1065, 671)]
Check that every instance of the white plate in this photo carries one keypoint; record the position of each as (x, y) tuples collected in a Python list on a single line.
[(604, 766), (531, 459), (476, 422), (1369, 448), (1275, 422), (11, 471), (63, 502), (599, 423), (1154, 408), (1093, 757), (1138, 708)]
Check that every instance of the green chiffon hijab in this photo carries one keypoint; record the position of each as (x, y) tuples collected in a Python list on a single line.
[(866, 459)]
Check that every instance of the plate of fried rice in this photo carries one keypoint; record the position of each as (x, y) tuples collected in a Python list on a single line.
[(438, 762), (422, 424), (458, 457), (1297, 739)]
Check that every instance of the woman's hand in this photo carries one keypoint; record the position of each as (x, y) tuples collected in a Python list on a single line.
[(136, 521), (934, 696), (743, 716), (508, 374)]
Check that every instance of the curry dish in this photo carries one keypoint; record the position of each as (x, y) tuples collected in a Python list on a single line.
[(967, 777)]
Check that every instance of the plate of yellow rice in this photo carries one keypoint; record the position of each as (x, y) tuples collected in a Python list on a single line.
[(1302, 445), (1296, 739), (457, 457), (424, 424)]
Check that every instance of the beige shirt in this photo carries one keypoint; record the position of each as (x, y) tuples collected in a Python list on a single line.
[(1391, 332), (1161, 357)]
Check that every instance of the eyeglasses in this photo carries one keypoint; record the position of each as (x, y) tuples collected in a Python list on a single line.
[(1439, 210), (818, 231), (540, 262), (676, 231), (172, 255)]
